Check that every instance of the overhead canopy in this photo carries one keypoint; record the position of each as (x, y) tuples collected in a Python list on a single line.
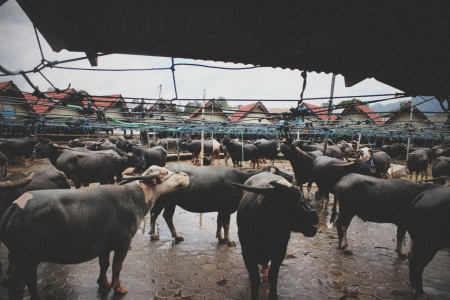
[(401, 43)]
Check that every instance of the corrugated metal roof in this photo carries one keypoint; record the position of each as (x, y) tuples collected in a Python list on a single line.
[(400, 43)]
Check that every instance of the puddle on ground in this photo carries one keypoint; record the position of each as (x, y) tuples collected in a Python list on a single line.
[(167, 245)]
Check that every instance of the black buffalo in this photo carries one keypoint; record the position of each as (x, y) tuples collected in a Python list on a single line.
[(417, 162), (211, 190), (211, 149), (153, 156), (43, 180), (395, 150), (327, 171), (429, 229), (302, 163), (441, 167), (74, 226), (374, 200), (239, 152), (15, 148), (266, 150), (331, 151), (83, 167), (269, 210)]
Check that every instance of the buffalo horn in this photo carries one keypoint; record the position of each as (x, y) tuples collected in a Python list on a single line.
[(344, 165), (261, 190), (302, 152), (5, 185), (152, 175)]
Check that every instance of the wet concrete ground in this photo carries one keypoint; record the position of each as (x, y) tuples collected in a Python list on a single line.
[(199, 268)]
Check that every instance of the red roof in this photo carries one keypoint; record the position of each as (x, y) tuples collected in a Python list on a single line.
[(243, 111), (44, 105), (106, 102), (320, 112), (8, 88), (367, 111), (208, 104)]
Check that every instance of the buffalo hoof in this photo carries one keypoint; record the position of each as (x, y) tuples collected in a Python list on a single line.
[(179, 239), (120, 290), (402, 255), (5, 282), (231, 244), (348, 252), (104, 286), (419, 296), (154, 237)]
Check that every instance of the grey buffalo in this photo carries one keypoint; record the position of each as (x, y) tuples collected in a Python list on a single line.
[(74, 226), (211, 190), (374, 200)]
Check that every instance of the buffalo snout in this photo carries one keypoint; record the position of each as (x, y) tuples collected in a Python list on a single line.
[(303, 219)]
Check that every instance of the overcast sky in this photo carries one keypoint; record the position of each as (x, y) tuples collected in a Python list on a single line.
[(19, 50)]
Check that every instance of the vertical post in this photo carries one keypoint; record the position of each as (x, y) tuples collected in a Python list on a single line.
[(202, 147), (330, 110), (242, 142), (410, 121)]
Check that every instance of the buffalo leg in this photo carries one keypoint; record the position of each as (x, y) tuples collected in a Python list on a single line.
[(325, 201), (223, 221), (420, 254), (342, 223), (308, 191), (155, 211), (23, 274), (169, 210), (274, 270), (103, 260), (253, 273), (401, 231), (119, 257)]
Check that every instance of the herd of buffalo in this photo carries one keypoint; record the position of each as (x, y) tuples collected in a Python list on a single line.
[(44, 219)]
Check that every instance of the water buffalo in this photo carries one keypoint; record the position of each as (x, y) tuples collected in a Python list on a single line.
[(302, 163), (239, 152), (74, 226), (374, 200), (429, 229), (269, 210), (332, 151), (83, 167), (211, 190), (395, 150), (441, 167), (381, 162), (417, 162), (266, 150), (211, 148), (327, 171), (153, 156), (14, 149), (43, 180)]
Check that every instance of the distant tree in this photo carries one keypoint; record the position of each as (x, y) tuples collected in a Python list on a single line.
[(51, 89), (347, 103), (237, 106), (191, 106), (325, 104), (222, 102)]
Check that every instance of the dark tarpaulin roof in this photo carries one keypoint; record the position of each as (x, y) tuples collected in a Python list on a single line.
[(401, 43)]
